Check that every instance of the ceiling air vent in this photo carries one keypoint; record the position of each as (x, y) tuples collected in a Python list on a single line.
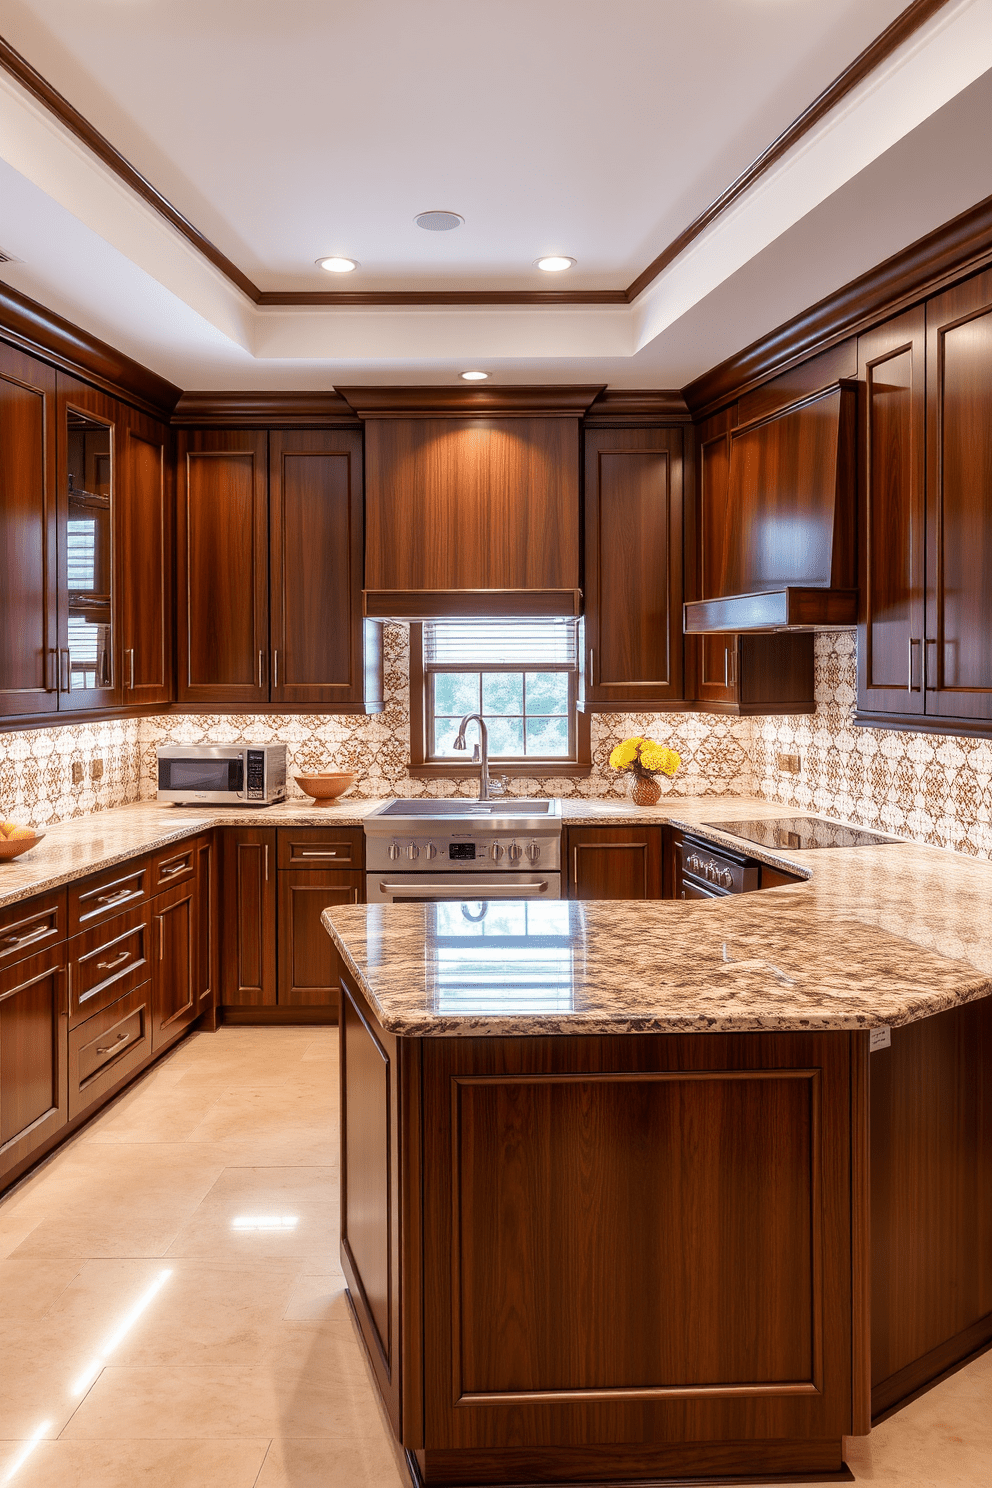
[(438, 221), (6, 257)]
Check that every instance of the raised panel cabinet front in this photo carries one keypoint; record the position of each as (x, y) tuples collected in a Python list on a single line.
[(614, 862), (958, 666), (174, 1003), (33, 1038), (223, 567), (633, 568), (309, 965), (248, 916), (28, 649), (146, 563)]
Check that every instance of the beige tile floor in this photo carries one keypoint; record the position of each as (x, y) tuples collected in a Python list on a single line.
[(172, 1310)]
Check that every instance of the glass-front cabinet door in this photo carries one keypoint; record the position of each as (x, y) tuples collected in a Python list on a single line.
[(88, 668)]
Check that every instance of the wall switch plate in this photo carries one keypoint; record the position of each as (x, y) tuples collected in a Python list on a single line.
[(96, 769), (77, 772), (790, 764)]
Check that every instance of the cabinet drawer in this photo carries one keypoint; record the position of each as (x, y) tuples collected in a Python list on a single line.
[(108, 1046), (322, 847), (31, 926), (106, 894), (174, 865), (108, 960)]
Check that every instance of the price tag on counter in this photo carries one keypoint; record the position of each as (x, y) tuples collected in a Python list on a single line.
[(879, 1038)]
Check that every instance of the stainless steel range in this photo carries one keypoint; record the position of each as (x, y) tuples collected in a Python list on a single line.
[(431, 850)]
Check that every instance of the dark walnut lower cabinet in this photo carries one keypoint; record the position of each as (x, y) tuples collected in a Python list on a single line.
[(279, 963), (34, 1017), (660, 1257), (615, 863)]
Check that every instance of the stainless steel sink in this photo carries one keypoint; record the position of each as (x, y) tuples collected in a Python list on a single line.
[(431, 809)]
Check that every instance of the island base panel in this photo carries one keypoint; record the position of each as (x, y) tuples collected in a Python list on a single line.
[(620, 1466)]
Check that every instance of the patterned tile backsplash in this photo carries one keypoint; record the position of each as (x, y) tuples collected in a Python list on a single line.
[(929, 787)]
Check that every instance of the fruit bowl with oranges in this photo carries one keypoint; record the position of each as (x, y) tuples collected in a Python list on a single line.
[(15, 840)]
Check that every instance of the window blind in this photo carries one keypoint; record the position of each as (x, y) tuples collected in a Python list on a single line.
[(480, 643)]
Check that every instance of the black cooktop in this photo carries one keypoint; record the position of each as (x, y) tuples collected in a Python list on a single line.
[(801, 833)]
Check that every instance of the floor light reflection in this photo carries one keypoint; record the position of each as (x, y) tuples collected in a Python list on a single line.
[(86, 1379), (265, 1222), (26, 1451)]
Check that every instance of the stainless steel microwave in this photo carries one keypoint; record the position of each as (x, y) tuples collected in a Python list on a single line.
[(222, 774)]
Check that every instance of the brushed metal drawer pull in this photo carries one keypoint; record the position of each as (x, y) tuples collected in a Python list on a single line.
[(116, 898), (37, 934), (161, 938), (117, 961), (121, 1038), (180, 863), (332, 853)]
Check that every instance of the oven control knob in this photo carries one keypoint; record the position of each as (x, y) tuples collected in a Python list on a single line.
[(394, 851), (533, 851), (430, 851), (727, 879), (710, 873), (413, 851), (497, 852), (516, 852)]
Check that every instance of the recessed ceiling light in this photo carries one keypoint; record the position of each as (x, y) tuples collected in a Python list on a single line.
[(438, 221), (554, 263), (475, 376), (336, 265)]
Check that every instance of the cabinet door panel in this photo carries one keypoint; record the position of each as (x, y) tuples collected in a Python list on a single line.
[(223, 568), (89, 436), (614, 862), (959, 438), (207, 907), (315, 483), (633, 568), (717, 653), (174, 1005), (309, 966), (248, 939), (146, 571), (893, 430), (33, 1037), (28, 682)]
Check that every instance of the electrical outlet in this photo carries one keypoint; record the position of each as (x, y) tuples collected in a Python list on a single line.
[(77, 772), (96, 769), (790, 764)]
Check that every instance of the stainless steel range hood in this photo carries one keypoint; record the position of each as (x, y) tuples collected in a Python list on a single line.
[(789, 560)]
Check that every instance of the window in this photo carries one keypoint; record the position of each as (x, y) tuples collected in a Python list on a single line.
[(520, 675)]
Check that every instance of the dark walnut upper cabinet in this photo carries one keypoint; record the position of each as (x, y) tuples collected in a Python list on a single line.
[(88, 520), (146, 502), (633, 570), (471, 516), (892, 429), (926, 639), (789, 550), (269, 571), (222, 567), (29, 649), (739, 674)]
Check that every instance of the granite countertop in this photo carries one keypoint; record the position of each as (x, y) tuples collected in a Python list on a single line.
[(877, 936)]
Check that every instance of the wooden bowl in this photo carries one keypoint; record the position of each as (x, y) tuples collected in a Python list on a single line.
[(326, 787), (9, 850)]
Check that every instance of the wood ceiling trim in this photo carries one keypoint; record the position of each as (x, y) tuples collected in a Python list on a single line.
[(531, 401), (951, 251), (899, 31), (263, 410), (37, 330)]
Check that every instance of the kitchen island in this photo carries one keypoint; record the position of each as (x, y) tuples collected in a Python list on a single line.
[(653, 1191)]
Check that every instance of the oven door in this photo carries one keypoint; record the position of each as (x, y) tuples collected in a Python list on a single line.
[(430, 888)]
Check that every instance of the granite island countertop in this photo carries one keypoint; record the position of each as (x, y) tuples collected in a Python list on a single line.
[(879, 935)]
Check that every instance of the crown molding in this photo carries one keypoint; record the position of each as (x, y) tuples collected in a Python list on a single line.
[(261, 410), (905, 25), (931, 263), (632, 406), (35, 329), (460, 402)]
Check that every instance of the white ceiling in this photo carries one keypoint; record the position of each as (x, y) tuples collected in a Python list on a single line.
[(289, 130)]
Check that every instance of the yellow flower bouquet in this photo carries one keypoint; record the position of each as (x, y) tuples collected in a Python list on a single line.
[(645, 759)]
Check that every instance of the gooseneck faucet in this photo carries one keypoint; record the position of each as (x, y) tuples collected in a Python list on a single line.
[(485, 783)]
